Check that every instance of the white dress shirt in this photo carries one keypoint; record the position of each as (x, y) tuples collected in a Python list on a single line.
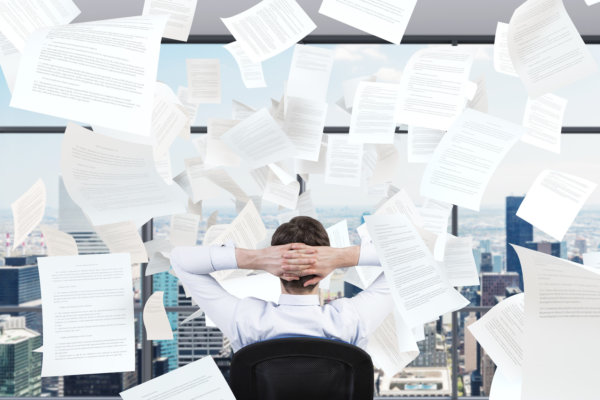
[(249, 320)]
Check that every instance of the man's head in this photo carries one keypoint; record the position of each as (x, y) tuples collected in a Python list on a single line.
[(305, 230)]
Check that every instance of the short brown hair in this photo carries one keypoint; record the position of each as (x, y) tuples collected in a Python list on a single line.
[(305, 230)]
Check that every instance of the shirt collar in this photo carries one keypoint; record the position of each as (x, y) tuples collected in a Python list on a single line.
[(299, 300)]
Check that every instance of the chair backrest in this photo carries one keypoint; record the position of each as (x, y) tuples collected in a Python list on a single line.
[(301, 368)]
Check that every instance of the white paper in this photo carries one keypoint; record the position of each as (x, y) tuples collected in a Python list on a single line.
[(480, 99), (543, 121), (386, 19), (374, 113), (155, 318), (554, 200), (259, 140), (500, 333), (280, 193), (114, 181), (87, 314), (217, 152), (434, 220), (246, 230), (545, 47), (204, 80), (58, 243), (591, 259), (314, 167), (422, 142), (221, 178), (591, 2), (303, 124), (252, 72), (189, 107), (401, 203), (269, 28), (10, 59), (28, 211), (240, 111), (561, 302), (114, 85), (157, 251), (306, 206), (343, 165), (200, 185), (181, 16), (350, 86), (162, 163), (123, 237), (466, 158), (213, 233), (419, 290), (286, 216), (459, 262), (431, 87), (505, 388), (284, 171), (502, 61), (309, 73), (386, 167), (184, 229), (168, 118)]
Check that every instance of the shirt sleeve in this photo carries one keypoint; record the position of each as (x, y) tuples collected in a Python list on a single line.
[(192, 266)]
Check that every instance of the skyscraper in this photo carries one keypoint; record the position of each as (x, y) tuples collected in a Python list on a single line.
[(581, 245), (493, 284), (497, 261), (551, 248), (518, 232), (168, 284), (432, 350), (20, 286), (486, 262)]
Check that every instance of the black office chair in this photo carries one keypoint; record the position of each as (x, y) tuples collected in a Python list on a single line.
[(301, 368)]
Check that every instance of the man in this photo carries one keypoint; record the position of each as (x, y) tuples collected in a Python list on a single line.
[(300, 255)]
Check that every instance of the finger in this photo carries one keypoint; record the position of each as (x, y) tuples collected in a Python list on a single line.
[(299, 253), (289, 277), (295, 269), (299, 261), (312, 281), (300, 246)]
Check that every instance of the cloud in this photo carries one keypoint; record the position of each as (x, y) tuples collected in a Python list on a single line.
[(358, 52)]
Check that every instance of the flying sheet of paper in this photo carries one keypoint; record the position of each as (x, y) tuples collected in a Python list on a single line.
[(306, 206), (459, 262), (87, 314), (386, 167), (189, 107), (280, 193), (246, 230), (343, 165), (252, 72), (416, 282), (123, 237), (386, 19), (591, 2), (204, 80), (184, 229), (157, 251), (28, 211), (500, 333), (284, 170), (162, 164), (200, 185), (350, 86), (314, 167), (269, 28), (196, 380), (401, 203), (155, 318), (114, 88), (259, 140), (114, 181), (422, 142), (480, 99), (591, 259), (502, 61), (58, 243), (168, 118), (554, 200), (309, 73), (431, 87), (19, 19), (466, 158), (561, 302), (221, 178), (505, 388), (217, 152), (304, 123), (374, 113), (10, 59), (546, 48), (181, 15), (338, 237), (434, 220), (213, 233), (543, 121), (240, 111), (286, 216)]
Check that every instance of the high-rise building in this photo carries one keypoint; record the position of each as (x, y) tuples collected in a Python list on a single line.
[(432, 350), (110, 384), (169, 284), (471, 362), (20, 366), (485, 245), (494, 284), (581, 245), (20, 286), (551, 248), (518, 232), (477, 258), (486, 262), (497, 261)]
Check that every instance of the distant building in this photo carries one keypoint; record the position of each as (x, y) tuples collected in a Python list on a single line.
[(477, 258), (432, 350), (497, 261), (110, 384), (486, 262), (494, 284), (485, 246), (551, 248), (20, 286), (518, 232), (20, 366), (581, 245), (471, 361), (169, 284), (576, 259)]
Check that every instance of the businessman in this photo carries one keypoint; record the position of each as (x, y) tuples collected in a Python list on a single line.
[(300, 255)]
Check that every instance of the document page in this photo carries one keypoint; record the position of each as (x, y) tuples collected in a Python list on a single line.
[(28, 211), (349, 87), (386, 167), (421, 143), (184, 229), (123, 237), (459, 262), (343, 165), (240, 111), (543, 122), (479, 101), (431, 88), (419, 290), (281, 194), (500, 333), (434, 220), (87, 314), (158, 251), (386, 19), (200, 185), (252, 72), (309, 73), (200, 379), (374, 113), (10, 58), (113, 180), (592, 259), (401, 203), (269, 28), (213, 233), (221, 178), (466, 158), (545, 47), (113, 88), (502, 61), (181, 15), (155, 318), (259, 140), (204, 80), (304, 123), (246, 230), (561, 302), (505, 388), (306, 206), (168, 118), (554, 200), (58, 243)]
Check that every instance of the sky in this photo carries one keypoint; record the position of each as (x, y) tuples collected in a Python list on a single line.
[(24, 158)]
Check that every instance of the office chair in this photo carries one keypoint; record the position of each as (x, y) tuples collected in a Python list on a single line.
[(301, 368)]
